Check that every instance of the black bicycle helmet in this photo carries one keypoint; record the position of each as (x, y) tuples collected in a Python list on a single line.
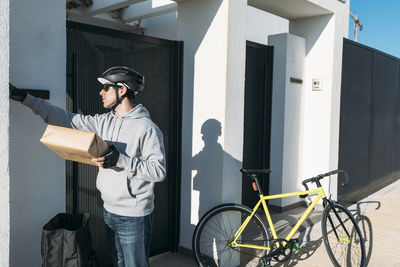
[(132, 79), (123, 76)]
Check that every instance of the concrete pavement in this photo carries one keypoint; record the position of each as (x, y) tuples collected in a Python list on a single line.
[(378, 215)]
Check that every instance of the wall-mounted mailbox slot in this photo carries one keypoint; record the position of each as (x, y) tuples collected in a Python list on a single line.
[(296, 80), (44, 94)]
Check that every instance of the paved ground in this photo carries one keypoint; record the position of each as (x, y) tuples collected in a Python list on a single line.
[(380, 210)]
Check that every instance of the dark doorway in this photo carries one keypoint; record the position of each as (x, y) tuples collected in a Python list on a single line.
[(257, 116), (91, 50)]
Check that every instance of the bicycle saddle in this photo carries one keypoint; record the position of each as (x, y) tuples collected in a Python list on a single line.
[(254, 171)]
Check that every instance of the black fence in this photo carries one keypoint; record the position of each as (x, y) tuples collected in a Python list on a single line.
[(369, 146)]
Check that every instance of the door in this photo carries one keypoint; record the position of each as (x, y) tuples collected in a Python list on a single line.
[(91, 50), (257, 116)]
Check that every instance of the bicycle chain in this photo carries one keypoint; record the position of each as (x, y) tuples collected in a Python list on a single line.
[(282, 250)]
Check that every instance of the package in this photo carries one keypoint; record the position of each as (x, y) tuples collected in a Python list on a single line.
[(75, 145)]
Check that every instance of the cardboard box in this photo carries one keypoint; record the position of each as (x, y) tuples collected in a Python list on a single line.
[(75, 145)]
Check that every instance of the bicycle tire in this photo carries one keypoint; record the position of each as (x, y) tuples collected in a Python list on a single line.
[(218, 226), (342, 251)]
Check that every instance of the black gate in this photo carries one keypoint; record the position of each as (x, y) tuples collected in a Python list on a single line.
[(369, 146), (257, 116), (91, 50)]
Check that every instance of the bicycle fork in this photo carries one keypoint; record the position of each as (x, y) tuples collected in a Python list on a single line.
[(341, 239)]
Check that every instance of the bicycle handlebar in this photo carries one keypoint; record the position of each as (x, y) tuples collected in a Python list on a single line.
[(317, 178)]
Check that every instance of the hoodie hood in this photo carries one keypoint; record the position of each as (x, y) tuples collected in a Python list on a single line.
[(139, 111)]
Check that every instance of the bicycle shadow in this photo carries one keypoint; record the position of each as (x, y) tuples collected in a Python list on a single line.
[(365, 225)]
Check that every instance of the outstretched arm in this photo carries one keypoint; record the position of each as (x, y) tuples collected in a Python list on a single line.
[(52, 114)]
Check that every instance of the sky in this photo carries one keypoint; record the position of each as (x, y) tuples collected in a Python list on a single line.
[(381, 24)]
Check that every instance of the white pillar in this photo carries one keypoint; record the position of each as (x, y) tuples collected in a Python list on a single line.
[(213, 32), (319, 34), (4, 137), (287, 115)]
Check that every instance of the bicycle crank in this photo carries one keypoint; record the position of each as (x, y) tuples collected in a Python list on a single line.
[(283, 249)]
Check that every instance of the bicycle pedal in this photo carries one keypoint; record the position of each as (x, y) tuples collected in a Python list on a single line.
[(264, 264), (295, 244)]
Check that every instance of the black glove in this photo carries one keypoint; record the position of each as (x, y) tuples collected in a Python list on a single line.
[(111, 158), (16, 94)]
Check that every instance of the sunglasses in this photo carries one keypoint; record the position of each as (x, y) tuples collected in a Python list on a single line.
[(107, 86)]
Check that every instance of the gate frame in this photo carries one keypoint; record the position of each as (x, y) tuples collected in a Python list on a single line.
[(175, 112)]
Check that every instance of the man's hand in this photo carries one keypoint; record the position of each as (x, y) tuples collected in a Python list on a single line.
[(16, 94), (109, 160), (99, 162)]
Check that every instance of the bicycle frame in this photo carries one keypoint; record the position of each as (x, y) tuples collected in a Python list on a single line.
[(319, 191)]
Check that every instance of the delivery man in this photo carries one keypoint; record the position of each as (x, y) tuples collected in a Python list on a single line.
[(129, 171)]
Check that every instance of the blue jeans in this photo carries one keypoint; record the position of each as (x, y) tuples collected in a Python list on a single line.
[(129, 239)]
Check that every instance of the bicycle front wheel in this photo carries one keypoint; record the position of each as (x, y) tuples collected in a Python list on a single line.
[(215, 231), (342, 237)]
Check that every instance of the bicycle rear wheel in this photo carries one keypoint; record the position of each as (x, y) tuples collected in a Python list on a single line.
[(342, 237), (216, 229)]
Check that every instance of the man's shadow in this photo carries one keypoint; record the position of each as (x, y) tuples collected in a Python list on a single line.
[(208, 164)]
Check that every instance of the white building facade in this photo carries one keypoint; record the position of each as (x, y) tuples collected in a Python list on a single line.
[(307, 36)]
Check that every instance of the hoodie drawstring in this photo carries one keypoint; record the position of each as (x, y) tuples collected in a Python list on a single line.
[(113, 130), (119, 128)]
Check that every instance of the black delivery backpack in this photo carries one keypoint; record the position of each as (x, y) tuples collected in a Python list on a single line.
[(66, 241)]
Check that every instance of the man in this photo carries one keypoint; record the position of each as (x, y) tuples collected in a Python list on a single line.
[(127, 174)]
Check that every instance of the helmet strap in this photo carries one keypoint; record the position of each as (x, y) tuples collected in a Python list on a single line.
[(119, 99)]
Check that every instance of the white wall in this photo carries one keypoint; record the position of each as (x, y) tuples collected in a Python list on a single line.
[(260, 24), (305, 123), (287, 116), (213, 91), (164, 26), (37, 61), (4, 136), (324, 43)]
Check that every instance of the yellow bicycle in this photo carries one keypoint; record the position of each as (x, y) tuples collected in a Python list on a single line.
[(235, 235)]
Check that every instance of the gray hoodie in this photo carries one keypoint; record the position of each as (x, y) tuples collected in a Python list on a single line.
[(128, 188)]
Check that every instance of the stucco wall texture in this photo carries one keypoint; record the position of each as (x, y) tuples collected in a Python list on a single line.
[(4, 135), (37, 175)]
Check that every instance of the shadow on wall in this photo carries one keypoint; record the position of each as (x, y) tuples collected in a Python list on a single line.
[(208, 164), (194, 21)]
